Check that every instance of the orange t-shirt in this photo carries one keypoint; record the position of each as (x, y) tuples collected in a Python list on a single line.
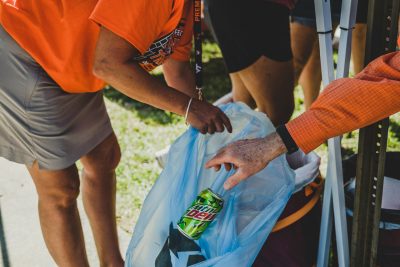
[(155, 38), (60, 37)]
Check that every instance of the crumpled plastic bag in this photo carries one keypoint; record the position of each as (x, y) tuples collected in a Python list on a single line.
[(305, 166), (250, 210)]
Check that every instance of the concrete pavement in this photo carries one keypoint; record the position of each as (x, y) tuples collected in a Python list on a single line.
[(21, 242)]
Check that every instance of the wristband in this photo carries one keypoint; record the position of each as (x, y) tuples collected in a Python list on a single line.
[(287, 139)]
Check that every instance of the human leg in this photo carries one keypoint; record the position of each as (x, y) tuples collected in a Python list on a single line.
[(310, 78), (307, 66), (98, 192), (303, 38), (240, 92), (59, 216), (48, 130), (256, 49), (270, 83), (358, 46)]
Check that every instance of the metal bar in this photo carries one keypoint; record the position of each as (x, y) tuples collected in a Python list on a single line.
[(339, 205), (326, 225), (369, 186), (382, 23), (377, 185), (334, 192), (324, 29), (347, 22)]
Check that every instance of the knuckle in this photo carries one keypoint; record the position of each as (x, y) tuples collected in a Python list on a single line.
[(234, 181)]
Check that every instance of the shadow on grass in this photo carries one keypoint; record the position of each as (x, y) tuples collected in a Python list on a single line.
[(216, 84)]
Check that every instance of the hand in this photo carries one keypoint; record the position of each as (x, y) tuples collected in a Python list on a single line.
[(248, 157), (207, 118)]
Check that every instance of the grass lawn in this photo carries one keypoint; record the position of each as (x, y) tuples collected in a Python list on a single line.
[(143, 130)]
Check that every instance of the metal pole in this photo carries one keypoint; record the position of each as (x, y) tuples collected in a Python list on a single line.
[(334, 192), (347, 22), (324, 29), (381, 38)]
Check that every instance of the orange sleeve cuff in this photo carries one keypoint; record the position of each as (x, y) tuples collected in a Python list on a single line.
[(303, 130)]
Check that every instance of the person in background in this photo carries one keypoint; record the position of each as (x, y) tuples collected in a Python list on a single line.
[(346, 104), (304, 42), (53, 61), (255, 41)]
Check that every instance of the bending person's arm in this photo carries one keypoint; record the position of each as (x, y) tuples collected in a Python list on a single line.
[(179, 75), (345, 105), (114, 64)]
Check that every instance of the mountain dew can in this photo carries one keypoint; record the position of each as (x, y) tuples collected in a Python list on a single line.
[(200, 214)]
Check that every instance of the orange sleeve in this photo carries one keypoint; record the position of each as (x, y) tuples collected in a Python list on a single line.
[(139, 22), (184, 47), (350, 103)]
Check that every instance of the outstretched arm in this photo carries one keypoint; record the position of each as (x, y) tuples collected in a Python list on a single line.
[(346, 104), (350, 103), (248, 157)]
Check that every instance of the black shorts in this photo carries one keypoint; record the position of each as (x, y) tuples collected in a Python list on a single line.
[(247, 30)]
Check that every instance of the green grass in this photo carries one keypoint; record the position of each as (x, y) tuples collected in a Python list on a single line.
[(143, 130)]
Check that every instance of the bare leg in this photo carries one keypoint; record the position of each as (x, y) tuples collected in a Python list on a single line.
[(240, 92), (310, 78), (98, 189), (59, 217), (270, 83), (306, 61), (358, 46), (302, 42)]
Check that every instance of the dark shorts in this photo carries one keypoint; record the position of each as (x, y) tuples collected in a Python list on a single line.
[(304, 12), (246, 31)]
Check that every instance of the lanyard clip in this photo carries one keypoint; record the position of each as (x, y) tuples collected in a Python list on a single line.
[(200, 93)]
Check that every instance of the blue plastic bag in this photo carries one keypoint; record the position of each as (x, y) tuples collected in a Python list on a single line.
[(250, 210)]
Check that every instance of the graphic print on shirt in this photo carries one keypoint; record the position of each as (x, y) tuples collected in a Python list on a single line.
[(161, 48), (11, 3)]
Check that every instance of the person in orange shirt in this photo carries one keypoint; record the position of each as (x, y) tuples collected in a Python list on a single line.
[(346, 104), (53, 61)]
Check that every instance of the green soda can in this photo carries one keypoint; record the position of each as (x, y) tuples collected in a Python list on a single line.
[(200, 214)]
